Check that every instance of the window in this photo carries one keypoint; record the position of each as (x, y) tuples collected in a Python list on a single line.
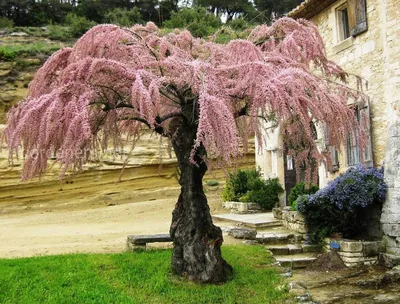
[(354, 156), (351, 19), (343, 23)]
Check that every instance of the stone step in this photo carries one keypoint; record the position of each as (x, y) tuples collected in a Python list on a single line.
[(256, 220), (289, 249), (295, 260), (285, 249), (278, 238)]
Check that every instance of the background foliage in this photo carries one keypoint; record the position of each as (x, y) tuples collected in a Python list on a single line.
[(299, 190), (248, 186), (44, 12)]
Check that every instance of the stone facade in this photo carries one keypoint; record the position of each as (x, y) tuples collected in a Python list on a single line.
[(375, 56)]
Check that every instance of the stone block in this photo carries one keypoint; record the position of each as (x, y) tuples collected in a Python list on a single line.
[(302, 228), (359, 260), (369, 263), (390, 242), (390, 218), (243, 233), (312, 248), (350, 246), (371, 248), (285, 215), (277, 212), (394, 130), (151, 238), (350, 254), (391, 229), (392, 203), (389, 260), (352, 264), (298, 217)]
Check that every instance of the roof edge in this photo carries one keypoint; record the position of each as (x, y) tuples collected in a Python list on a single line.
[(310, 8)]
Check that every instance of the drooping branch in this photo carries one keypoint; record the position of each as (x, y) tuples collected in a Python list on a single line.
[(161, 81)]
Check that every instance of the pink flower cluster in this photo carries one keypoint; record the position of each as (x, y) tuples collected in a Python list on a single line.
[(115, 80)]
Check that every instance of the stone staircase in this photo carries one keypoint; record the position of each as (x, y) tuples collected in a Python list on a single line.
[(287, 247)]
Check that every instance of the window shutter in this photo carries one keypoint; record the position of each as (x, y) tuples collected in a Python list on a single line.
[(334, 165), (357, 16), (365, 120)]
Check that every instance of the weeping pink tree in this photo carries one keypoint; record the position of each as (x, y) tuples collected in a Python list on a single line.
[(206, 98)]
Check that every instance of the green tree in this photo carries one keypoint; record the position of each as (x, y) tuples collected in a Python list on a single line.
[(273, 9), (123, 16), (200, 22), (232, 9), (78, 24)]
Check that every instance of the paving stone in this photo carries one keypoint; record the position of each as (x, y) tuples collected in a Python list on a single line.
[(243, 233), (311, 248), (295, 261)]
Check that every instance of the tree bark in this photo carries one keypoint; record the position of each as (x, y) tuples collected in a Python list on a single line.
[(197, 241)]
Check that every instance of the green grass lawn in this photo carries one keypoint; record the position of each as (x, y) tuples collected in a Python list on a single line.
[(142, 277), (12, 51)]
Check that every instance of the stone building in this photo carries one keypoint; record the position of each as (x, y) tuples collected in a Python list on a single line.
[(363, 36)]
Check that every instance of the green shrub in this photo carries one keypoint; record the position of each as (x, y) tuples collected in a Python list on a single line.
[(58, 32), (238, 24), (197, 20), (344, 206), (123, 16), (78, 25), (6, 23), (10, 52), (298, 190), (248, 186)]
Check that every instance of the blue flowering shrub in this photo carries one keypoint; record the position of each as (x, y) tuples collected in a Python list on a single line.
[(341, 207), (298, 190)]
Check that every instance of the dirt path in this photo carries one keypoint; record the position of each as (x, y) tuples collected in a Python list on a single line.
[(91, 212), (53, 229)]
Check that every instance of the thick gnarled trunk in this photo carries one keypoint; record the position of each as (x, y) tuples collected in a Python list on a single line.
[(197, 241)]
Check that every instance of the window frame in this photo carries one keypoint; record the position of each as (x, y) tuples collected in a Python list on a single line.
[(342, 22), (353, 151)]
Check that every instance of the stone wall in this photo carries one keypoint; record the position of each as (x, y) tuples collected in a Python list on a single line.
[(355, 253), (391, 209), (373, 55), (363, 56), (292, 220)]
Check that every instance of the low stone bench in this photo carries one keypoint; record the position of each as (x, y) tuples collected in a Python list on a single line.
[(134, 242)]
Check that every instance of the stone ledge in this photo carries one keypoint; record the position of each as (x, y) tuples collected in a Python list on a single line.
[(134, 242), (242, 208), (389, 260)]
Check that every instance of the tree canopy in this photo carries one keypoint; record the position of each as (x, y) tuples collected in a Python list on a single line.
[(270, 10), (206, 98), (38, 13), (132, 76)]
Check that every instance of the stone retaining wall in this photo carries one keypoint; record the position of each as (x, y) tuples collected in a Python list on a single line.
[(242, 208), (355, 253), (292, 220)]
